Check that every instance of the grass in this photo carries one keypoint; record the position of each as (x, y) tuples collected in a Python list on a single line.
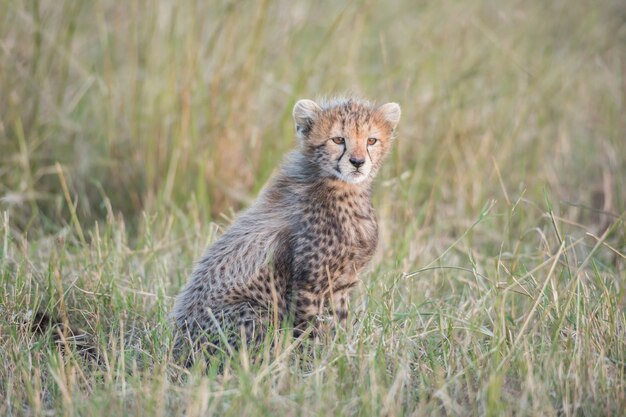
[(132, 133)]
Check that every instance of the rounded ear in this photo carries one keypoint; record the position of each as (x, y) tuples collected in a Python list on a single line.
[(304, 114), (391, 113)]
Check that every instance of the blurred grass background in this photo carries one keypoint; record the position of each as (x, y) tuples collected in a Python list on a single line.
[(128, 128), (151, 103)]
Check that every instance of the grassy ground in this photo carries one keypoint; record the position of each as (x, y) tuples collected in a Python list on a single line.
[(132, 132)]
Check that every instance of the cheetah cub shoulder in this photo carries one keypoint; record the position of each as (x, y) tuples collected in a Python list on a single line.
[(297, 251)]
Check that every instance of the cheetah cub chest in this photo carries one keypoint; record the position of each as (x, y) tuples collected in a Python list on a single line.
[(296, 252)]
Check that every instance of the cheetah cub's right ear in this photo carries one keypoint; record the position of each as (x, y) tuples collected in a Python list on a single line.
[(304, 114)]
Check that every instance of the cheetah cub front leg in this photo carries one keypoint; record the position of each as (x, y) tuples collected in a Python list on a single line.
[(324, 312)]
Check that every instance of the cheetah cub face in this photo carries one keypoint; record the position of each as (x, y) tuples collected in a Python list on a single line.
[(348, 139)]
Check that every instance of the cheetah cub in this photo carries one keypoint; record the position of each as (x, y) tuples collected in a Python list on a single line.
[(296, 252)]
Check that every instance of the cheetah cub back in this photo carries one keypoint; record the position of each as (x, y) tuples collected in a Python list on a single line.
[(297, 251)]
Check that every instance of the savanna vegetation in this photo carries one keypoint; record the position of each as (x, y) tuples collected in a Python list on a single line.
[(131, 133)]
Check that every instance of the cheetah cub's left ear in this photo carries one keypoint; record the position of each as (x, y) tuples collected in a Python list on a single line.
[(305, 112), (391, 112)]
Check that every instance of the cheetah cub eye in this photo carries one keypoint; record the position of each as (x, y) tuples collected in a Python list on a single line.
[(347, 140)]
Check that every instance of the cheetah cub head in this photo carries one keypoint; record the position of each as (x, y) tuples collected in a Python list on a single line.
[(346, 139)]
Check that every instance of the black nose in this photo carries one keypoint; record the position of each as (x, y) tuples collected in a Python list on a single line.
[(357, 162)]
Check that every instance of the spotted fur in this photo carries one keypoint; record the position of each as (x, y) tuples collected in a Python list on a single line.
[(297, 251)]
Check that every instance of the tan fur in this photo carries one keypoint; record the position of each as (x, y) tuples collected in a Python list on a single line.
[(297, 251)]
